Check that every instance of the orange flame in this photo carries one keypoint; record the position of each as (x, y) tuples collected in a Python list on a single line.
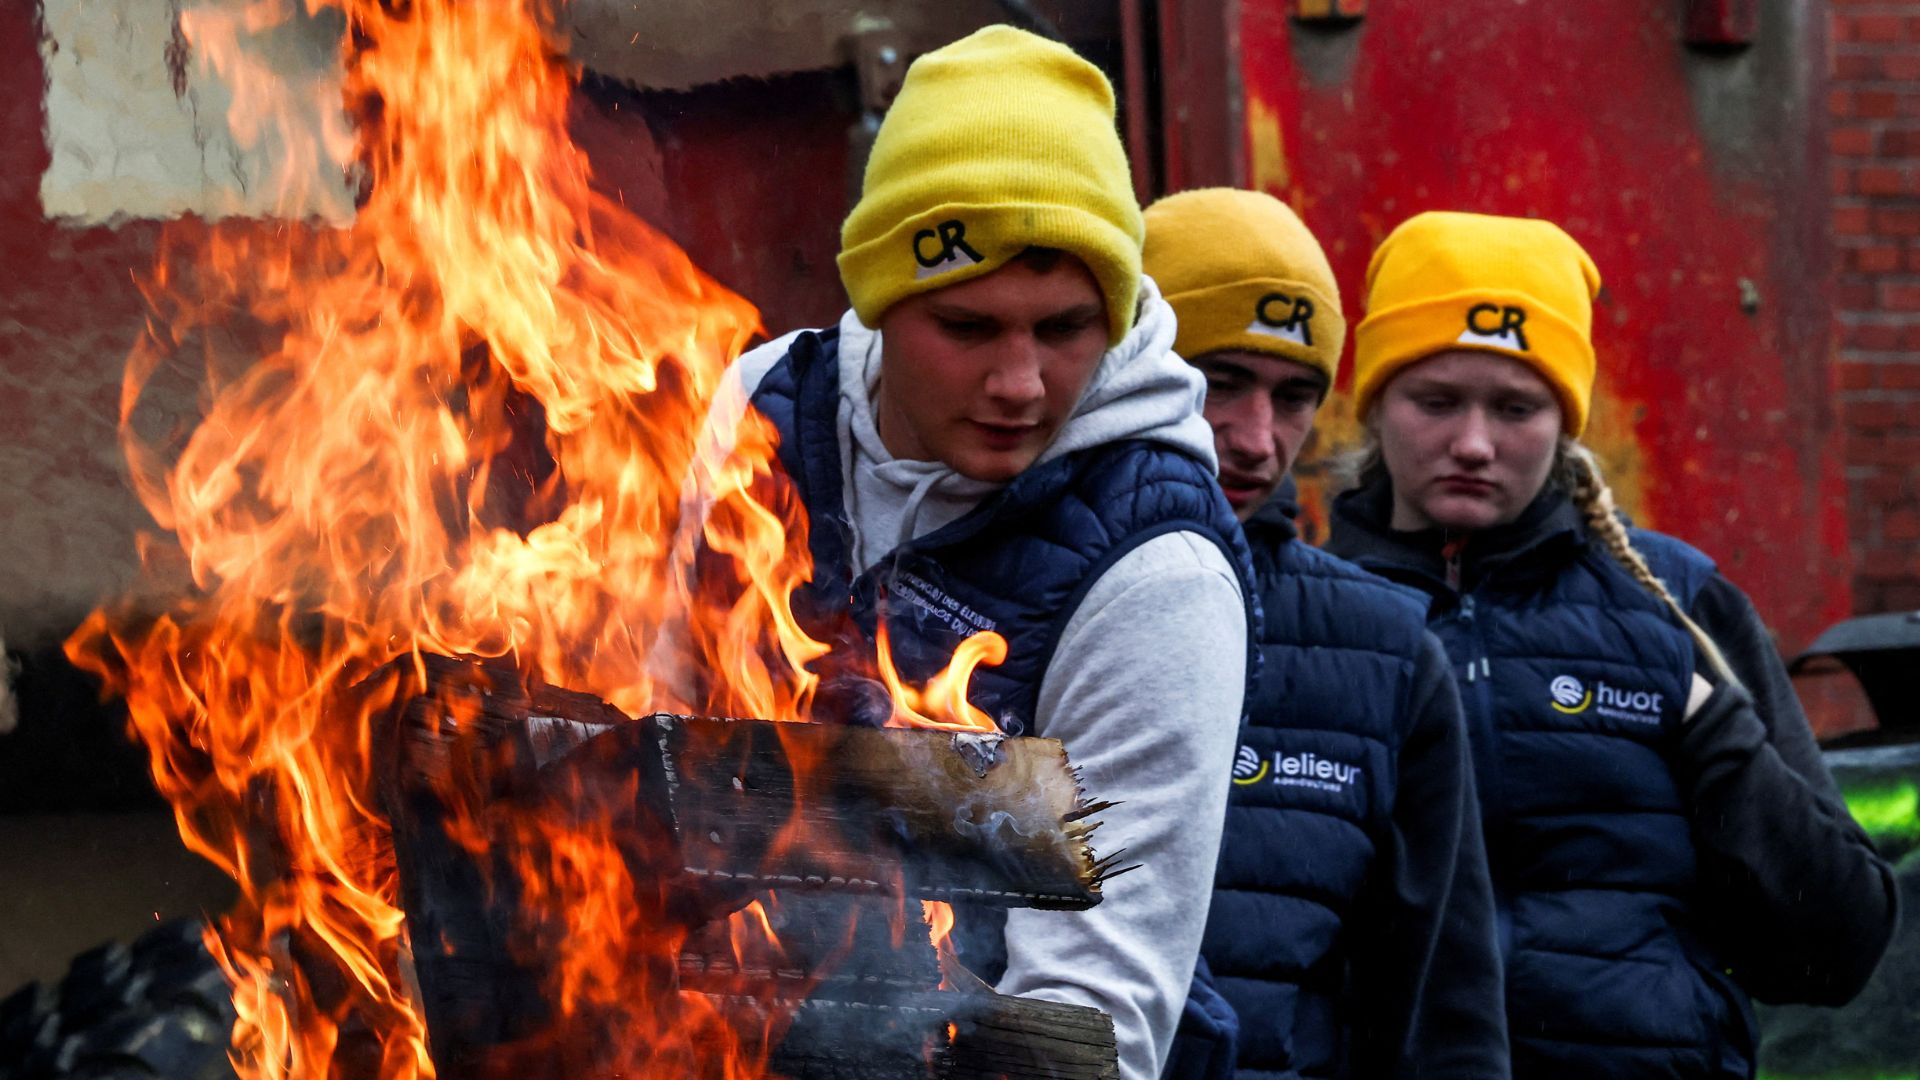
[(751, 932), (943, 703), (461, 425)]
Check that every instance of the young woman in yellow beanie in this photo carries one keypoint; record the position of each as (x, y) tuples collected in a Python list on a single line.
[(999, 437), (1352, 929), (1664, 840)]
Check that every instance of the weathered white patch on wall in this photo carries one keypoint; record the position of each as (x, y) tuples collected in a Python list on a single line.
[(216, 107)]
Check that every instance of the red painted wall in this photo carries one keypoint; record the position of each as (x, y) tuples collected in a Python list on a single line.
[(1697, 182), (1874, 104)]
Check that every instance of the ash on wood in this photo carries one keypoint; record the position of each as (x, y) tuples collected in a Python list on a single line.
[(834, 833), (941, 815)]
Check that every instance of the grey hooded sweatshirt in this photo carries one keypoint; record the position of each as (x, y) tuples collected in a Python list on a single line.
[(1144, 689)]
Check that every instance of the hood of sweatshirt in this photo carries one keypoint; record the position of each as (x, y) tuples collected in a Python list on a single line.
[(1141, 389)]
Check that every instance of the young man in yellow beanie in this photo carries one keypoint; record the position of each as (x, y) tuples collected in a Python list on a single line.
[(1662, 835), (999, 436), (1352, 923)]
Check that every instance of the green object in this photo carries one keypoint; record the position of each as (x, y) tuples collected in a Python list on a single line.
[(1886, 809), (1876, 1036)]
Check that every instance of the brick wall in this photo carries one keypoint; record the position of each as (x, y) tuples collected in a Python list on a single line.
[(1874, 110)]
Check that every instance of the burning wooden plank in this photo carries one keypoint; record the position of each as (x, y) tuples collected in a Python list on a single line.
[(852, 826), (947, 1036), (946, 816), (814, 944), (951, 816)]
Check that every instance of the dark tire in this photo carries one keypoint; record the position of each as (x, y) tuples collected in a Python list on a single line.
[(157, 1008)]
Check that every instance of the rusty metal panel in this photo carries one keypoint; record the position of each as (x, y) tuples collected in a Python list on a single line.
[(749, 176), (675, 46), (1698, 182), (669, 45), (1200, 93)]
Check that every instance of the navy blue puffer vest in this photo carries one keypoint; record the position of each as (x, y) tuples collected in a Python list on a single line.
[(1017, 564), (1574, 680), (1312, 791)]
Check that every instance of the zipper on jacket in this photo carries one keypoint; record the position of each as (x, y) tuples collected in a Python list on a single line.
[(1450, 551), (1483, 725)]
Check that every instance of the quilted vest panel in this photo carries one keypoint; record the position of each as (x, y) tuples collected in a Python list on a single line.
[(1313, 788), (1574, 694), (1018, 564)]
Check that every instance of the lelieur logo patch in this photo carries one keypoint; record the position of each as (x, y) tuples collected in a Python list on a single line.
[(1304, 769), (1572, 697), (1497, 325), (1285, 317), (943, 249)]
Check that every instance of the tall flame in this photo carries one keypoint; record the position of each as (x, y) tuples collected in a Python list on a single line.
[(459, 425)]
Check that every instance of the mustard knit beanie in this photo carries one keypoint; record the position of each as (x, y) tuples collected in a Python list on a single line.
[(996, 143), (1513, 286), (1242, 272)]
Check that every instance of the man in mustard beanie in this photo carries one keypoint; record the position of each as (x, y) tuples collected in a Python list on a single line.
[(1352, 921), (999, 437)]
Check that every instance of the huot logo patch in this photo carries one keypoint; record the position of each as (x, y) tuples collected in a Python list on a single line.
[(944, 249), (1572, 697), (1494, 324), (1305, 769), (1285, 317)]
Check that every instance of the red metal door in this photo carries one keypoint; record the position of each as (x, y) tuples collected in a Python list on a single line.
[(1695, 176)]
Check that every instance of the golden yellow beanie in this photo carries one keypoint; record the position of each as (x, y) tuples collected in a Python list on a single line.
[(1513, 286), (996, 143), (1242, 272)]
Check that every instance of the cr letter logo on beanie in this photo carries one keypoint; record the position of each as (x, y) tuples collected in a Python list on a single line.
[(1493, 324), (1285, 317), (942, 249)]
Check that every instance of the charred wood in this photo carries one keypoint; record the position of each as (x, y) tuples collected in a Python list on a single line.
[(941, 815), (815, 945), (850, 827)]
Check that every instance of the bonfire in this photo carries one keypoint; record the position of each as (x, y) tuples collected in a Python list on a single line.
[(457, 463)]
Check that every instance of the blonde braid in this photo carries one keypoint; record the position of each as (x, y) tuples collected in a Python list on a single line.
[(1594, 498)]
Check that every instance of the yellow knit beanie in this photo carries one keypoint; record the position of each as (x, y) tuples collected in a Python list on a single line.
[(1242, 272), (1513, 286), (996, 143)]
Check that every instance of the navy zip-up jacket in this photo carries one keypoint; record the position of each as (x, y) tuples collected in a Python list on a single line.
[(1650, 870), (1124, 506), (1352, 925)]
